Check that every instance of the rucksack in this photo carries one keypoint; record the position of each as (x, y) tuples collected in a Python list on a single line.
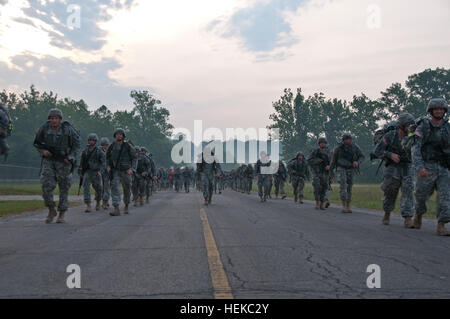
[(411, 139), (378, 136)]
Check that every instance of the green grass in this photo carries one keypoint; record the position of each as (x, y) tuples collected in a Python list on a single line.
[(9, 208), (364, 196)]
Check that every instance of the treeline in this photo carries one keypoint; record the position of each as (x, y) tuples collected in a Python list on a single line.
[(301, 121), (147, 124)]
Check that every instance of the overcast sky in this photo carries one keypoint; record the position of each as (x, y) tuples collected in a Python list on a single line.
[(223, 62)]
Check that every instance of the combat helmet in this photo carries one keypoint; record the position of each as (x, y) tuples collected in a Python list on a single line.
[(346, 136), (437, 103), (405, 119), (92, 137), (55, 112), (322, 140), (120, 131), (104, 141)]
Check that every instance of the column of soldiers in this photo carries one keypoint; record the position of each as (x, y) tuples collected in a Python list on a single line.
[(416, 154), (105, 167), (417, 161)]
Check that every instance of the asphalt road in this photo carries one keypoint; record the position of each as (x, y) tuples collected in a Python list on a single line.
[(277, 249)]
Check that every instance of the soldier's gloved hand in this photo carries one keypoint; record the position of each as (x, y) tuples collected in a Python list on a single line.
[(46, 153), (423, 173), (395, 158)]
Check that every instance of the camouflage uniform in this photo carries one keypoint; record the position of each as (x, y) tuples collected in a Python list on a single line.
[(298, 172), (187, 178), (208, 169), (120, 159), (249, 174), (431, 151), (105, 176), (63, 143), (177, 179), (396, 176), (92, 162), (343, 158), (317, 161), (279, 179), (264, 180), (139, 181)]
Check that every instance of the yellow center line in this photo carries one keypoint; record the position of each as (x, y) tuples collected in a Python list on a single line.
[(219, 278)]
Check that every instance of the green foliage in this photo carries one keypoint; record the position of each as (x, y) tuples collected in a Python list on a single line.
[(147, 124), (301, 121)]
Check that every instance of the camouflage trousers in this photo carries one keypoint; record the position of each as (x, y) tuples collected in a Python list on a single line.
[(320, 184), (249, 184), (298, 184), (187, 185), (120, 177), (394, 179), (264, 182), (92, 178), (178, 184), (207, 182), (4, 148), (56, 173), (279, 186), (218, 185), (148, 187), (438, 179), (138, 187), (345, 183), (106, 186)]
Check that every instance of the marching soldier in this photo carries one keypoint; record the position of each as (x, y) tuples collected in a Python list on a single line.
[(187, 178), (140, 177), (431, 158), (92, 161), (347, 157), (299, 172), (319, 162), (104, 142), (58, 143), (264, 176), (208, 168), (122, 163), (249, 174), (398, 172), (280, 178)]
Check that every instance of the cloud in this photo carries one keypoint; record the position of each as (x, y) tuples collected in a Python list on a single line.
[(229, 81), (89, 35), (262, 27), (87, 81)]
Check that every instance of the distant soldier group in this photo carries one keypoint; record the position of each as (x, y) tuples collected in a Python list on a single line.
[(416, 154)]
